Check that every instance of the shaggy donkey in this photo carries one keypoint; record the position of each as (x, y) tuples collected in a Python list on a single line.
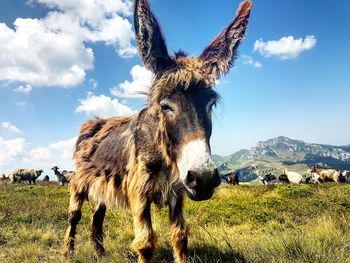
[(161, 153)]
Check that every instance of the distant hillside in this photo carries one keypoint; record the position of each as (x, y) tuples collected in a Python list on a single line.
[(277, 153)]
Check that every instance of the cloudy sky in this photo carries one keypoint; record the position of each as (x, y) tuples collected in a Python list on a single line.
[(64, 61)]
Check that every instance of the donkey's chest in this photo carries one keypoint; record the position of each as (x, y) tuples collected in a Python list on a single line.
[(162, 188)]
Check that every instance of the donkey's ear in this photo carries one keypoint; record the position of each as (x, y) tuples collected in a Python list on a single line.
[(150, 41), (219, 56)]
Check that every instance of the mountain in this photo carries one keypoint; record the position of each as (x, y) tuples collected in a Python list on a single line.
[(276, 153)]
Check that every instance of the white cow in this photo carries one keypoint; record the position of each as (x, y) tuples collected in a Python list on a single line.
[(293, 177)]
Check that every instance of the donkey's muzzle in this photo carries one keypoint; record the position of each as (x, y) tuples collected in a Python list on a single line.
[(201, 186)]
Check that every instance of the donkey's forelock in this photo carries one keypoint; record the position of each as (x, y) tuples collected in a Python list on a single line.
[(188, 73)]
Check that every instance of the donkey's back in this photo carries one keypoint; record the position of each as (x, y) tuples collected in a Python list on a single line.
[(101, 154)]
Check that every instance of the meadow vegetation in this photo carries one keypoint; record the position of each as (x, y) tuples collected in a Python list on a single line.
[(281, 223)]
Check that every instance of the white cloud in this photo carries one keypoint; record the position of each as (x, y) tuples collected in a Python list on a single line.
[(114, 30), (10, 150), (91, 10), (8, 126), (286, 47), (15, 153), (26, 89), (49, 155), (102, 106), (141, 81), (248, 60), (31, 54), (55, 154), (65, 148), (38, 155), (94, 21), (52, 51)]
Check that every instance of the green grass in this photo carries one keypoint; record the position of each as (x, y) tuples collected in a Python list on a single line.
[(284, 223)]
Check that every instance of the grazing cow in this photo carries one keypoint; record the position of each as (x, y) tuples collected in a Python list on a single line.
[(20, 174), (293, 177), (326, 175), (268, 178), (232, 178), (283, 178), (162, 152)]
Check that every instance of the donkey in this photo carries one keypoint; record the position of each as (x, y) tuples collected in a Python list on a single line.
[(161, 153)]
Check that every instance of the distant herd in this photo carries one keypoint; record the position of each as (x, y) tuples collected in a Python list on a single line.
[(313, 175), (21, 174)]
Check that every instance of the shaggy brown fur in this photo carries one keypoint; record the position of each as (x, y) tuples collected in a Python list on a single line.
[(131, 162), (68, 175)]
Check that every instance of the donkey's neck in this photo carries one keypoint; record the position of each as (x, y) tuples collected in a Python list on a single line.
[(148, 138)]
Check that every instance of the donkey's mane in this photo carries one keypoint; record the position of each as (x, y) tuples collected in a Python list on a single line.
[(180, 53)]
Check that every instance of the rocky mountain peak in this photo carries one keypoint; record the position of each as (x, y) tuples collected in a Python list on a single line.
[(282, 146)]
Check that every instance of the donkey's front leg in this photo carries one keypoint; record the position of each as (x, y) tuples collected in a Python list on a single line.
[(179, 229), (145, 239)]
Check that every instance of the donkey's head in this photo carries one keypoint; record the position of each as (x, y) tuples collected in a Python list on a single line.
[(182, 97)]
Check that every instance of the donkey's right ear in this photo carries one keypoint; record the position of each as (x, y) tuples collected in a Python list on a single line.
[(150, 41)]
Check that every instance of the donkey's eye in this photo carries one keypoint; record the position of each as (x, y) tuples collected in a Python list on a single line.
[(164, 105), (210, 106)]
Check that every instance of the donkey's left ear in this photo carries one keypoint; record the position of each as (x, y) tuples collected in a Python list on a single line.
[(150, 41), (219, 56)]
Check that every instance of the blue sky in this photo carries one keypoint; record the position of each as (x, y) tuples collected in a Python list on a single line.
[(63, 61)]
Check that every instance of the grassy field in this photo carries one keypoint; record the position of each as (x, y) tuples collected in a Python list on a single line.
[(283, 223)]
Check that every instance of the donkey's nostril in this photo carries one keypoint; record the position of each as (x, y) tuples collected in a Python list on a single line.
[(191, 180), (190, 177)]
